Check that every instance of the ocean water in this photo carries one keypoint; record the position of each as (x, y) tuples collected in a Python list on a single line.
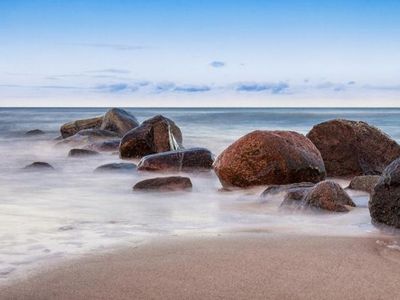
[(47, 216)]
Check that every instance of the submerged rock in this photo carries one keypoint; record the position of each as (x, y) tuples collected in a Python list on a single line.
[(276, 189), (188, 160), (71, 128), (384, 203), (269, 157), (351, 148), (34, 132), (364, 183), (104, 146), (39, 165), (88, 136), (116, 167), (119, 121), (155, 135), (81, 153), (164, 184)]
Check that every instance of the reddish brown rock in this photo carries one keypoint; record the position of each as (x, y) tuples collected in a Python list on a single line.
[(155, 135), (119, 121), (71, 128), (188, 160), (351, 148), (269, 157), (164, 184)]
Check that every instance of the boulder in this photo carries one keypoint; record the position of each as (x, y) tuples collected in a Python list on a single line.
[(119, 121), (81, 153), (187, 160), (34, 132), (116, 167), (351, 148), (71, 128), (269, 157), (384, 203), (39, 165), (364, 183), (164, 184), (104, 146), (155, 135)]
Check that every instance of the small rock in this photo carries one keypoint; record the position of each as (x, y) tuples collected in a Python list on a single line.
[(116, 167), (364, 183), (119, 121), (39, 165), (164, 184), (71, 128), (294, 198), (276, 189), (81, 153), (34, 132)]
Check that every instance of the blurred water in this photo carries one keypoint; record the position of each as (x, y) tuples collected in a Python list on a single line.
[(46, 215)]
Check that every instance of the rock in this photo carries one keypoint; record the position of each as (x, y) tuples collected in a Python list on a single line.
[(364, 183), (269, 157), (351, 148), (34, 132), (71, 128), (155, 135), (276, 189), (164, 184), (116, 167), (188, 160), (105, 146), (294, 198), (119, 121), (384, 203), (39, 165), (330, 196), (86, 137), (81, 153)]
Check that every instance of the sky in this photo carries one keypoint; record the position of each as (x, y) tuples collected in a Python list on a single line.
[(200, 53)]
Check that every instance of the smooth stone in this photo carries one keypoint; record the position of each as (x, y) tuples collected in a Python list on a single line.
[(104, 146), (71, 128), (276, 189), (34, 132), (39, 165), (164, 184), (81, 153), (116, 167), (119, 121)]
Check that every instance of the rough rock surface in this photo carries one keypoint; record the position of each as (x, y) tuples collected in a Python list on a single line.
[(34, 132), (116, 167), (187, 160), (155, 135), (165, 184), (364, 183), (384, 203), (81, 153), (71, 128), (119, 121), (269, 157), (39, 165), (351, 148)]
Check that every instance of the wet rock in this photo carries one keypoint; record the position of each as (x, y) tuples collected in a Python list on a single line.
[(276, 189), (187, 160), (105, 146), (86, 137), (39, 165), (164, 184), (269, 157), (155, 135), (71, 128), (294, 198), (116, 167), (34, 132), (384, 203), (81, 153), (119, 121), (351, 148), (364, 183)]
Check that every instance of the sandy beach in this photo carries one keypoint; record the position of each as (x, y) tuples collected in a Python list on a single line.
[(230, 266)]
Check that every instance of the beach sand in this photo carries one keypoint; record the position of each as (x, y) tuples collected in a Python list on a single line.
[(229, 266)]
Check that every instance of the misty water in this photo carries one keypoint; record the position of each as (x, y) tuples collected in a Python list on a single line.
[(46, 216)]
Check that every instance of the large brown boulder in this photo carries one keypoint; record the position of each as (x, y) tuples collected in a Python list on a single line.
[(164, 184), (155, 135), (119, 121), (71, 128), (351, 148), (187, 160), (384, 203), (269, 157)]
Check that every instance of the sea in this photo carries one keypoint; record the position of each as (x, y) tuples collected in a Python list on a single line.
[(46, 217)]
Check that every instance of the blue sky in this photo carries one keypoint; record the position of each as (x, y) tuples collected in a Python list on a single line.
[(199, 53)]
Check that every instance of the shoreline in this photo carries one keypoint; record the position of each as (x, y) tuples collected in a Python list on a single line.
[(235, 266)]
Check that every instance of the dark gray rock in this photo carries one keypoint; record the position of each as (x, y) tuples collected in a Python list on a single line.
[(39, 165), (104, 146), (34, 132), (164, 184), (364, 183), (116, 167), (81, 153), (276, 189)]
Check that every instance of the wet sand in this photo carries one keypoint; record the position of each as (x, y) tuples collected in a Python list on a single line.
[(229, 266)]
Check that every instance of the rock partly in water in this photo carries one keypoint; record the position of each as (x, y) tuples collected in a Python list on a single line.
[(351, 148), (155, 135), (384, 203), (116, 167), (164, 184), (119, 121), (71, 128), (81, 153), (277, 189), (364, 183), (269, 157), (294, 198), (86, 137), (187, 160), (34, 132), (39, 165), (104, 146)]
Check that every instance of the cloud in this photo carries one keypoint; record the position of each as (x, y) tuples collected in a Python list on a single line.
[(119, 47), (114, 88), (274, 88), (111, 70), (217, 64), (192, 88)]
